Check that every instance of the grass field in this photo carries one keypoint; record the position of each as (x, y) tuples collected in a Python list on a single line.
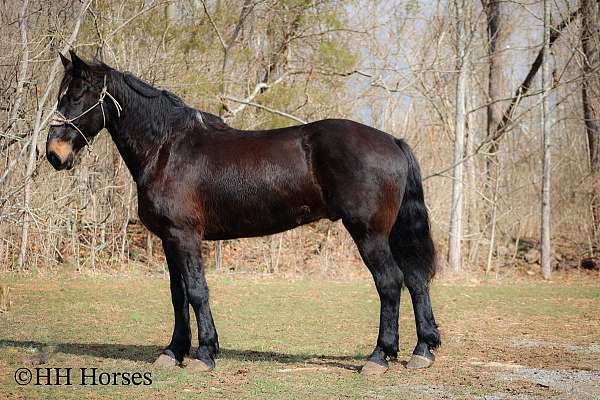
[(306, 338)]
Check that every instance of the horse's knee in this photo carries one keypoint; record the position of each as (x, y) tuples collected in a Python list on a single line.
[(196, 289), (389, 292), (197, 296), (389, 282)]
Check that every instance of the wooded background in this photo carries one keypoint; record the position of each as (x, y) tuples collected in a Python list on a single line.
[(461, 80)]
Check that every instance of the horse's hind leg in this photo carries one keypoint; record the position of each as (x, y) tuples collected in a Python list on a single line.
[(375, 252), (428, 336)]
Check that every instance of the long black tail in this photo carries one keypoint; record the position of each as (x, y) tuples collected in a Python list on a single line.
[(410, 239)]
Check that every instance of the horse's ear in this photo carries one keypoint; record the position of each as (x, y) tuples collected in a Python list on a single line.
[(65, 61), (79, 66)]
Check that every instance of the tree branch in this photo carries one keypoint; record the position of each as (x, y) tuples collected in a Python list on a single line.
[(214, 26), (269, 109), (502, 127), (23, 68), (261, 87)]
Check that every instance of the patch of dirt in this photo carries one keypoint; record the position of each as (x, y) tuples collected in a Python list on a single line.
[(498, 365), (568, 384), (507, 396), (410, 391), (574, 384), (530, 343)]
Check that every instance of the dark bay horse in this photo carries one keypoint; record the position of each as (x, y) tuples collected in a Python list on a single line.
[(199, 179)]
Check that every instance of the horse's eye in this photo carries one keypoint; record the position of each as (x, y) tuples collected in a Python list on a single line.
[(76, 90)]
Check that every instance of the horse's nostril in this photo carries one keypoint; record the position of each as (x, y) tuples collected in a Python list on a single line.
[(54, 160)]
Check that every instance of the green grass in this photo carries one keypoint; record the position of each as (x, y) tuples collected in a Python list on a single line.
[(289, 339)]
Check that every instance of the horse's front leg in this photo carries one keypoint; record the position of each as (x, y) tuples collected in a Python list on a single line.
[(181, 340), (184, 253)]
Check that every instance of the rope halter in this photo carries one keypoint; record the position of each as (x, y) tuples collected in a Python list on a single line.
[(58, 119)]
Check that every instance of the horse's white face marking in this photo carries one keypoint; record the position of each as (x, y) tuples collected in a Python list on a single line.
[(63, 92), (201, 119)]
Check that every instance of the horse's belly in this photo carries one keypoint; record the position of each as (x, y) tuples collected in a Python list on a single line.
[(247, 229), (262, 213)]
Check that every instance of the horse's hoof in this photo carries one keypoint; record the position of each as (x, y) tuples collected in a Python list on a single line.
[(373, 368), (417, 362), (196, 365), (165, 361)]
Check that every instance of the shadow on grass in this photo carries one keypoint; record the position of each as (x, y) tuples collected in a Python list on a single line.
[(148, 353)]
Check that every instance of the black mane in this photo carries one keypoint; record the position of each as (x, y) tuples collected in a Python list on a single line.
[(166, 104)]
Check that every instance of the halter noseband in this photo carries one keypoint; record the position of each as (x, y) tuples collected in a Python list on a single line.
[(58, 119)]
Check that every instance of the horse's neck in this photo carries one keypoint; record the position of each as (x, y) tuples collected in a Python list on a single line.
[(137, 140)]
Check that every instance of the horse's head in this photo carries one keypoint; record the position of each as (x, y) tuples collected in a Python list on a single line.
[(81, 112)]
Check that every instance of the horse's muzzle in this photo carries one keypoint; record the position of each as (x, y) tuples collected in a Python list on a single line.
[(60, 154)]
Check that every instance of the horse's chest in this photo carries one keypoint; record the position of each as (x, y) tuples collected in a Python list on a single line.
[(162, 208), (150, 213)]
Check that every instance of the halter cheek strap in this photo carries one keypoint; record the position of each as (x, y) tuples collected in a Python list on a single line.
[(58, 119)]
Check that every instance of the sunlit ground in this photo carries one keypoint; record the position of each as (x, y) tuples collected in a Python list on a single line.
[(305, 338)]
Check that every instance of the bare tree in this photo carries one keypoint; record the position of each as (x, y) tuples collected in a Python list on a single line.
[(494, 107), (508, 119), (545, 210), (590, 89), (590, 95), (493, 114), (39, 125), (462, 64)]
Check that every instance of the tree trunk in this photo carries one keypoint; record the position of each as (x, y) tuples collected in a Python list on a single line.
[(545, 217), (590, 96), (494, 115), (590, 88), (494, 108), (456, 211)]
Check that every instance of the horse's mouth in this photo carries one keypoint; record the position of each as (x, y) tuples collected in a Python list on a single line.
[(59, 165)]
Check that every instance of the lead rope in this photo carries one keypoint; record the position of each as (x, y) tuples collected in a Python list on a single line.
[(58, 119)]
